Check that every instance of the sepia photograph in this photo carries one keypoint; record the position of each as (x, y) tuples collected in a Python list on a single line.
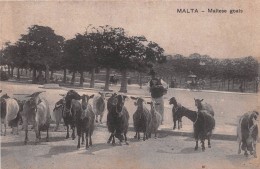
[(134, 84)]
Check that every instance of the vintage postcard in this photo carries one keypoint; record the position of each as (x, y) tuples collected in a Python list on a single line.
[(140, 84)]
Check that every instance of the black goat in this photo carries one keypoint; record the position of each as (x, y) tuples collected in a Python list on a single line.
[(72, 106), (203, 124), (174, 118), (117, 118)]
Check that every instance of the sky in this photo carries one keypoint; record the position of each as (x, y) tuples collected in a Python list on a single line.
[(217, 35)]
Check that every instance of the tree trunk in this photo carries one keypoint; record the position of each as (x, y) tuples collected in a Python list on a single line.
[(233, 82), (228, 84), (47, 73), (12, 71), (81, 80), (64, 75), (73, 78), (92, 79), (52, 74), (123, 87), (140, 80), (18, 73), (8, 70), (210, 83), (106, 88), (34, 76), (26, 72)]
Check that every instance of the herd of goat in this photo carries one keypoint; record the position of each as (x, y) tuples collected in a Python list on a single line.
[(78, 114)]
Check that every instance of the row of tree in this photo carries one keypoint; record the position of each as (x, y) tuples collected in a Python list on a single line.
[(235, 69), (102, 47), (106, 47)]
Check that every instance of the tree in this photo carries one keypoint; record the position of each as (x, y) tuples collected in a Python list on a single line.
[(44, 48)]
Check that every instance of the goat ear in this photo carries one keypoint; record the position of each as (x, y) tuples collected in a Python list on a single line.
[(201, 100), (194, 99), (91, 96), (134, 98), (149, 102)]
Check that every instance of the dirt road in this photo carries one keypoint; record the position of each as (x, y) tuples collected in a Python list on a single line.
[(164, 152)]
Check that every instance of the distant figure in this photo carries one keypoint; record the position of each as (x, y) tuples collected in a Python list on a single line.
[(158, 88), (241, 88), (40, 78)]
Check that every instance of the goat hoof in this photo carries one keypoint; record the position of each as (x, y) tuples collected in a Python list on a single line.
[(251, 153), (209, 146), (135, 136), (203, 149), (246, 154), (25, 142), (255, 155), (96, 121), (78, 146), (196, 148), (113, 144), (67, 137)]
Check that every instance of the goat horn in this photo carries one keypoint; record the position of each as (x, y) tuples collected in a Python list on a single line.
[(20, 94), (35, 94)]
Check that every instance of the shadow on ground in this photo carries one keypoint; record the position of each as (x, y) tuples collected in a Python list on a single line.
[(60, 150), (21, 143), (189, 150)]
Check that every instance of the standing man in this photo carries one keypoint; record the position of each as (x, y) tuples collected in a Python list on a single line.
[(158, 88)]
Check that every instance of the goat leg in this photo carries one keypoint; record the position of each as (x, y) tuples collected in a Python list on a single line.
[(90, 140), (203, 145), (144, 136), (113, 141), (78, 146), (87, 146), (174, 124), (239, 147), (73, 133), (110, 138), (126, 139), (135, 135), (57, 126), (26, 131), (5, 129), (100, 120), (47, 137), (196, 147), (82, 142), (68, 133), (254, 147), (96, 118), (246, 154), (138, 135), (209, 145)]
